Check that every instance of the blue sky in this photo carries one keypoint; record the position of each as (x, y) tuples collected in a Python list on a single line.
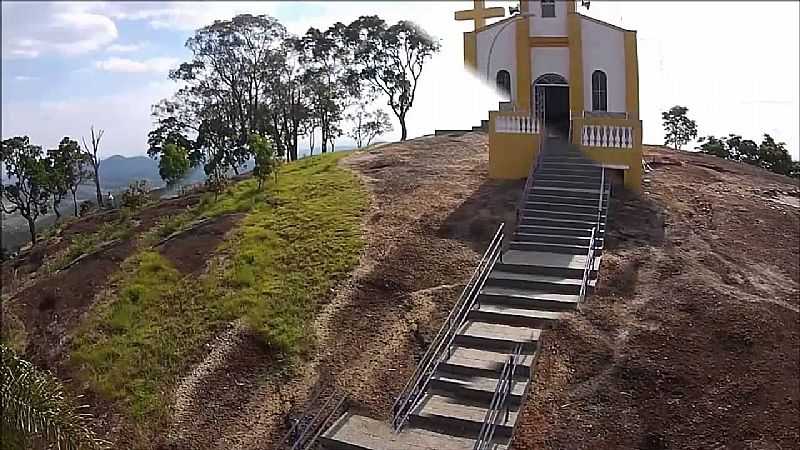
[(68, 65)]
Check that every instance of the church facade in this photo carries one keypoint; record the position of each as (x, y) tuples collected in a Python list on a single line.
[(563, 73)]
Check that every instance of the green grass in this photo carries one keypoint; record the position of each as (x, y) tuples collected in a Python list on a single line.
[(89, 242), (299, 237)]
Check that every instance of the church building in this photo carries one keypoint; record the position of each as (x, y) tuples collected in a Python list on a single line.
[(563, 73)]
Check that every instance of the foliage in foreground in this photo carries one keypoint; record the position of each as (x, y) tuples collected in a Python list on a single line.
[(37, 412), (298, 239)]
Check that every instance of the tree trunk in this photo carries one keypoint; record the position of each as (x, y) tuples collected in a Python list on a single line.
[(56, 211), (97, 186), (403, 129), (32, 229), (75, 203)]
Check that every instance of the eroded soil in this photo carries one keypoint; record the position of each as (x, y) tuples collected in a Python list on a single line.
[(692, 340), (433, 211)]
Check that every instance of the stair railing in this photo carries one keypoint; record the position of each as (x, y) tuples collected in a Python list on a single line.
[(441, 345), (500, 403), (304, 432), (529, 181), (590, 254)]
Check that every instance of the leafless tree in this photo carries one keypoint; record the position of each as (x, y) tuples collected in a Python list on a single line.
[(94, 159)]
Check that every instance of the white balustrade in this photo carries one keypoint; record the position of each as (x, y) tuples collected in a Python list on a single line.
[(518, 124), (610, 136)]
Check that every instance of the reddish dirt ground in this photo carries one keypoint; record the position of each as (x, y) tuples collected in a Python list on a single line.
[(433, 211), (189, 251), (50, 305), (692, 340)]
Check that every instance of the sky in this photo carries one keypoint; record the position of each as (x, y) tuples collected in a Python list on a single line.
[(69, 65)]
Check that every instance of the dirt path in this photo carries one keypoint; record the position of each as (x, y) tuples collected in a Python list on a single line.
[(433, 211), (691, 341)]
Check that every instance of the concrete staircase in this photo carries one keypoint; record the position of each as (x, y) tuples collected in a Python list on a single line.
[(538, 278)]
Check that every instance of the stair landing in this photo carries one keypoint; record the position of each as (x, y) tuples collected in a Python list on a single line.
[(354, 432)]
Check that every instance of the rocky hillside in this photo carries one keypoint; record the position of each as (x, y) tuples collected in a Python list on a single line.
[(692, 340)]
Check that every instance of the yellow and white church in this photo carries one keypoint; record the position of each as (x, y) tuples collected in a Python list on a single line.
[(564, 73)]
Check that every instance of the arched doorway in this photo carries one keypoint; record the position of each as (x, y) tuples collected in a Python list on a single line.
[(551, 103)]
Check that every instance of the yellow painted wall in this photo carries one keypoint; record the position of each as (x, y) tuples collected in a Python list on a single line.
[(631, 157), (510, 154), (471, 50)]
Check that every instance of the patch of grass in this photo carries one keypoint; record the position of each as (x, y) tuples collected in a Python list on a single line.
[(89, 242), (300, 236)]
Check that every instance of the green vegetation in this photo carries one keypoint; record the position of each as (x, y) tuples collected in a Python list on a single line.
[(297, 240), (84, 243), (36, 411)]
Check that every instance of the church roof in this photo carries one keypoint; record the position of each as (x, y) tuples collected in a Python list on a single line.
[(486, 27), (598, 21)]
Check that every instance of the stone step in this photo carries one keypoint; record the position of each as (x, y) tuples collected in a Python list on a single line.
[(496, 337), (595, 178), (355, 432), (474, 362), (565, 206), (557, 165), (586, 201), (517, 317), (561, 231), (568, 191), (553, 248), (557, 239), (534, 282), (457, 417), (545, 263), (558, 222), (475, 389), (569, 169), (567, 184), (526, 298), (562, 215)]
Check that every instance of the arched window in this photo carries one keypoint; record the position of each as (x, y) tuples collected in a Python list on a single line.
[(504, 82), (599, 91)]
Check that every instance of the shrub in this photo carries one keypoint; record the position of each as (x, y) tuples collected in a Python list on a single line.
[(136, 195)]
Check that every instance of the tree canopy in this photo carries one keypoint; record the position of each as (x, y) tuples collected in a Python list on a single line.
[(679, 128)]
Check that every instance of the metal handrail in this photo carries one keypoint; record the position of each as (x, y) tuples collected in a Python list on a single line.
[(302, 435), (416, 385), (529, 181), (590, 254), (500, 401)]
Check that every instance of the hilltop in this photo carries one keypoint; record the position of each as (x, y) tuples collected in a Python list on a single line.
[(337, 278)]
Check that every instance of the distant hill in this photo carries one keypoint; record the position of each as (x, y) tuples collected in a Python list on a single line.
[(118, 171)]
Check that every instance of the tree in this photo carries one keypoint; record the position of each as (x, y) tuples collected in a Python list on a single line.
[(390, 60), (367, 125), (743, 150), (69, 168), (26, 188), (234, 85), (774, 157), (710, 145), (92, 155), (266, 161), (173, 163), (680, 129), (37, 413), (326, 59)]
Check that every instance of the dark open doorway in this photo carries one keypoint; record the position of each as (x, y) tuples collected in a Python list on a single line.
[(551, 103)]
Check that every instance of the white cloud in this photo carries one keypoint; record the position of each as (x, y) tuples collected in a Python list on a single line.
[(25, 78), (125, 117), (126, 48), (30, 30), (125, 65), (180, 15)]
